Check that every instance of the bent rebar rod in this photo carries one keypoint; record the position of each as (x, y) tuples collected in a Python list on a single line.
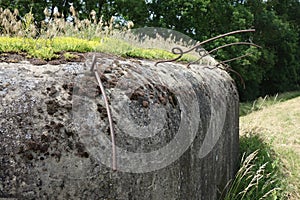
[(221, 47), (180, 52), (112, 134)]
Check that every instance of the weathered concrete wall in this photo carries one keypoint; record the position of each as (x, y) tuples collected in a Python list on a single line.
[(176, 130)]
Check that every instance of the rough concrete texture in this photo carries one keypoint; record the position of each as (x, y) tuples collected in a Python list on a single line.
[(50, 149)]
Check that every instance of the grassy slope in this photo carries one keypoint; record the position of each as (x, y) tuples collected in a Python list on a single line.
[(280, 125), (248, 107)]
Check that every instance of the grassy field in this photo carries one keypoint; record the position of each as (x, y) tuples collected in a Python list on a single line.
[(275, 131)]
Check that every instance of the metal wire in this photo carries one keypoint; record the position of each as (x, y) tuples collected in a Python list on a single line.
[(112, 134)]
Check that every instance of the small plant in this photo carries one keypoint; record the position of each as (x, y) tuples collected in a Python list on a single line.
[(57, 34), (28, 25), (49, 48), (156, 54), (45, 53), (69, 56), (9, 25)]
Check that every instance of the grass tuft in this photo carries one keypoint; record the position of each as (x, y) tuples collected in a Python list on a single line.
[(259, 176)]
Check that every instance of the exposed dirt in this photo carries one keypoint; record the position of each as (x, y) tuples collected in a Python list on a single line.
[(18, 57)]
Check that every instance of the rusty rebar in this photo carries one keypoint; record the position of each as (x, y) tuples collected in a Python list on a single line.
[(221, 47), (180, 52), (112, 134)]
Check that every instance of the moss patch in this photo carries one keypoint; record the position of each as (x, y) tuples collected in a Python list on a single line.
[(50, 49)]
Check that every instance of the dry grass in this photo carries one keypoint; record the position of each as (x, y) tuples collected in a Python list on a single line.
[(85, 36), (280, 125)]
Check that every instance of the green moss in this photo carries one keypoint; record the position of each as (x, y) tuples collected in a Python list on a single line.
[(149, 54), (70, 56), (73, 44), (114, 46), (49, 48), (44, 52)]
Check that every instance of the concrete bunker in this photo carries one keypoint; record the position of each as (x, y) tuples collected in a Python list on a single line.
[(176, 131)]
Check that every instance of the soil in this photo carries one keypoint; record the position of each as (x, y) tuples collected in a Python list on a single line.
[(18, 57)]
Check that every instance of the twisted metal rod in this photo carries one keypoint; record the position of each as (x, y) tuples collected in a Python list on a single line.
[(236, 58), (221, 47), (228, 68), (180, 52)]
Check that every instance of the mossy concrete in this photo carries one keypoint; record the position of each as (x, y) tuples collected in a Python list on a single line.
[(47, 154)]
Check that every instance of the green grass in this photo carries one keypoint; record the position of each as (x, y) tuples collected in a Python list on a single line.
[(270, 137), (259, 176), (260, 103)]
